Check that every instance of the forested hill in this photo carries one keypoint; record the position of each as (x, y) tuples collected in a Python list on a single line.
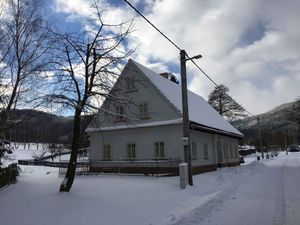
[(37, 126), (273, 124)]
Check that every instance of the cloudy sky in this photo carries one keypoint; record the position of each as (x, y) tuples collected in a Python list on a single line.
[(251, 46)]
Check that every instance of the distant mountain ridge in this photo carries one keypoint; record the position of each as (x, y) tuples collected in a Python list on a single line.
[(274, 121), (38, 126)]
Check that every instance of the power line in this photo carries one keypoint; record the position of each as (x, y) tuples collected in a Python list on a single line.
[(176, 46), (165, 36)]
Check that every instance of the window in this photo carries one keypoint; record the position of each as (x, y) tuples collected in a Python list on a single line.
[(120, 113), (107, 152), (159, 150), (220, 151), (130, 84), (231, 151), (144, 113), (194, 150), (131, 148), (205, 151), (225, 148), (236, 150)]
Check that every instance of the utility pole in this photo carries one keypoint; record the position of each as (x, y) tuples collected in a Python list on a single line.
[(285, 144), (260, 144), (185, 112), (185, 117)]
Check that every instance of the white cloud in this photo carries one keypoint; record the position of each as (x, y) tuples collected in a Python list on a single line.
[(251, 46)]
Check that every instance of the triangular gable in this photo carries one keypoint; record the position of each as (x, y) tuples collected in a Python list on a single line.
[(200, 111)]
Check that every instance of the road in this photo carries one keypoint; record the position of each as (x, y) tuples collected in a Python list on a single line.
[(270, 196)]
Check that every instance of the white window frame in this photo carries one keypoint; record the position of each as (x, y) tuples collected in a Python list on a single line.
[(194, 150), (159, 150), (231, 151), (225, 150), (236, 151), (144, 110), (120, 114), (205, 151), (130, 84), (131, 150), (106, 152)]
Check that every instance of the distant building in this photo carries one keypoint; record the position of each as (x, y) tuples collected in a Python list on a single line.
[(146, 125)]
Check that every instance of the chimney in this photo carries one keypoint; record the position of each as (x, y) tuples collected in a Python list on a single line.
[(165, 75)]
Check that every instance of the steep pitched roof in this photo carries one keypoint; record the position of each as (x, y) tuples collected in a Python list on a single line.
[(200, 111)]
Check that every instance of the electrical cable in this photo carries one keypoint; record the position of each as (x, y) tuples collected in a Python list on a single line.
[(176, 46)]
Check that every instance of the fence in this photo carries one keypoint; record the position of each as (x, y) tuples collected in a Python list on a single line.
[(8, 175), (156, 166), (166, 166), (62, 164)]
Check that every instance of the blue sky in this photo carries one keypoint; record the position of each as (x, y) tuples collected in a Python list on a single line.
[(252, 46)]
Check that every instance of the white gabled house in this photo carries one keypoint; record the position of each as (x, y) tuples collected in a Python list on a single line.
[(144, 123)]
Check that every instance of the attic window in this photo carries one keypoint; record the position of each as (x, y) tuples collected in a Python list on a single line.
[(130, 84), (144, 112), (120, 114)]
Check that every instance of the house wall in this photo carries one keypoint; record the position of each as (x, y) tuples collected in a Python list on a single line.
[(144, 138), (171, 135)]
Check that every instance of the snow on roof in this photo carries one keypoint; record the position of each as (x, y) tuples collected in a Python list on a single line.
[(129, 126), (200, 111)]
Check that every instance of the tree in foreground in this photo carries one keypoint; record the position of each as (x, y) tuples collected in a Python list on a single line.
[(24, 45), (224, 104), (86, 67)]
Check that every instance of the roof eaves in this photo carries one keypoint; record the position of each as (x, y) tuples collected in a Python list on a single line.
[(214, 130)]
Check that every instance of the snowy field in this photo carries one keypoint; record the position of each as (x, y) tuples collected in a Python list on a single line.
[(264, 192)]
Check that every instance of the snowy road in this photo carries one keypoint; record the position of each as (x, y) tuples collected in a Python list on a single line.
[(259, 193), (269, 197)]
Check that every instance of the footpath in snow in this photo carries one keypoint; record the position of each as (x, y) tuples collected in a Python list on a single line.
[(264, 192)]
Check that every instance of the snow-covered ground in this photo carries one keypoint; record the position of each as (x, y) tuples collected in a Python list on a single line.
[(264, 192)]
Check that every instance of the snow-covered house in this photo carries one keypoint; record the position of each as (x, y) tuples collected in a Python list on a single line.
[(145, 124)]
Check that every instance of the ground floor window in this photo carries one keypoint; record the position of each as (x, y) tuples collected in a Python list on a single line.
[(159, 150), (219, 149), (107, 152), (231, 151), (205, 151), (131, 151), (194, 150), (225, 148), (236, 150)]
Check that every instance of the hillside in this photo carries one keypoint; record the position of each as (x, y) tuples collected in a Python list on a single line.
[(37, 126), (273, 124)]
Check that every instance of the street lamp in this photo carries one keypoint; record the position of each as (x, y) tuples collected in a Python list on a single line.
[(185, 112)]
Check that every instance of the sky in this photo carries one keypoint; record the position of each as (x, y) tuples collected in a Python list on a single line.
[(251, 46)]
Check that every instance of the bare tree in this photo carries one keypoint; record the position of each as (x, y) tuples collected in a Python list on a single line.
[(23, 47), (87, 65), (224, 104)]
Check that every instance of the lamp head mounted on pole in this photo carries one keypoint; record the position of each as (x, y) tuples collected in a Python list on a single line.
[(195, 57)]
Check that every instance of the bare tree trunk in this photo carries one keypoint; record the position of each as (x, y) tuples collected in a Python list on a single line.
[(69, 178)]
